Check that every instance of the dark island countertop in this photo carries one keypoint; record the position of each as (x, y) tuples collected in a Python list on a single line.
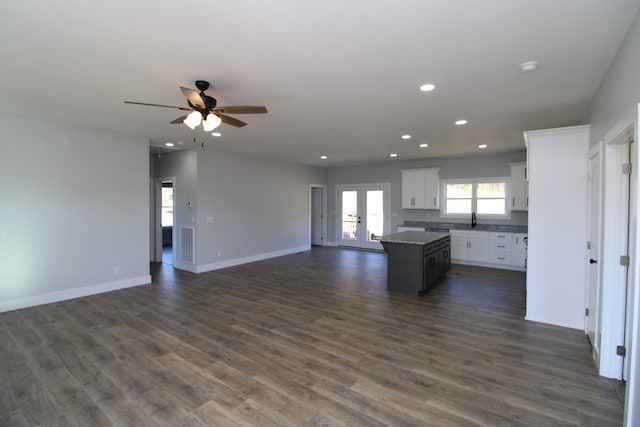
[(414, 237)]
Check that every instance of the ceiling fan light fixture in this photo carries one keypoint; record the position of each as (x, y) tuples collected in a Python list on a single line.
[(193, 119), (211, 122)]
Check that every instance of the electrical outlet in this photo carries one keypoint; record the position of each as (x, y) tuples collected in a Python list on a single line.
[(116, 269), (219, 253)]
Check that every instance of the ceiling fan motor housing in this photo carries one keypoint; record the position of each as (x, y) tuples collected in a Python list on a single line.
[(202, 85)]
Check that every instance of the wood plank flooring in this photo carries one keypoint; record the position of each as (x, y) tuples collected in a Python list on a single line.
[(308, 339)]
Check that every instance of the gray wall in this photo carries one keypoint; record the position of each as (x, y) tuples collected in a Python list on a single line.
[(75, 206), (255, 206), (485, 166), (616, 100)]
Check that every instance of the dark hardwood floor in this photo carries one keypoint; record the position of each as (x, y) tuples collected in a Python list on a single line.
[(303, 340)]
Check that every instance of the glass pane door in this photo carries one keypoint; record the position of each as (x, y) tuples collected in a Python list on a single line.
[(363, 215), (375, 214), (349, 224)]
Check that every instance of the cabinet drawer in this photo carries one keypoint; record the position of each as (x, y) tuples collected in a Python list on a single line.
[(500, 245), (431, 247), (501, 236), (500, 258), (445, 242)]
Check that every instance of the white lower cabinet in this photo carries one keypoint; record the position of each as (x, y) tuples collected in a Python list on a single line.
[(470, 245), (500, 248), (491, 249)]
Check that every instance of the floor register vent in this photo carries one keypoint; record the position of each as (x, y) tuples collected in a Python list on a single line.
[(187, 244)]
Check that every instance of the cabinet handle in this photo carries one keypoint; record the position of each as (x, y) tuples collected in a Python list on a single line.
[(513, 201), (434, 202), (413, 201), (501, 246)]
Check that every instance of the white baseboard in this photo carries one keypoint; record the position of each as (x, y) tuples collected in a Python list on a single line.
[(68, 294), (489, 265), (245, 260), (554, 323), (332, 244)]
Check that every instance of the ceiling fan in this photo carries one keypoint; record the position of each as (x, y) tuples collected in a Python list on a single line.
[(204, 110)]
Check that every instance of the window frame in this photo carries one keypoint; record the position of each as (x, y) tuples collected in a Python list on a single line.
[(474, 197)]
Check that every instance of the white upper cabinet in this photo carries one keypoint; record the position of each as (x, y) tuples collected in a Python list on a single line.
[(519, 187), (432, 188), (420, 189)]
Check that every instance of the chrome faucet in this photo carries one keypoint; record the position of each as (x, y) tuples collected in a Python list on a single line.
[(473, 219)]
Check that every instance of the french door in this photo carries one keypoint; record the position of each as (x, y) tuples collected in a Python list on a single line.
[(363, 215)]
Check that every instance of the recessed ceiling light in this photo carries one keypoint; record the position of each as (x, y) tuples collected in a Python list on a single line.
[(424, 145), (216, 134), (169, 144), (482, 146), (323, 157), (393, 155), (427, 87), (461, 122), (406, 136), (529, 66)]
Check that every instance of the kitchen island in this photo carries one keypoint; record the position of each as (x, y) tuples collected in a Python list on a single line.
[(416, 260)]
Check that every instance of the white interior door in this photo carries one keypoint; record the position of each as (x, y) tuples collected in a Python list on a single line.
[(594, 294), (363, 215)]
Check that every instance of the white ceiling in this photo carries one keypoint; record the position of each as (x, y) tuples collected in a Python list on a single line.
[(339, 77)]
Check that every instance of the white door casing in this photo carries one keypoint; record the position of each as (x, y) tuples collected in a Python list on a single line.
[(614, 244)]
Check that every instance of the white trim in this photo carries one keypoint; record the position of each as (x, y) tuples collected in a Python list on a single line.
[(632, 397), (488, 265), (614, 244), (73, 293), (244, 260), (474, 197)]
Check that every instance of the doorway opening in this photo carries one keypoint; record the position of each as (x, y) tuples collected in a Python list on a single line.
[(166, 221)]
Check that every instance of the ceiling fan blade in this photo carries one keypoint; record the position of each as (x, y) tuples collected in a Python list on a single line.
[(242, 109), (193, 97), (179, 119), (230, 120), (157, 105)]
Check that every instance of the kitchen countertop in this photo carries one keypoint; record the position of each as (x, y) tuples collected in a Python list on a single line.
[(446, 226), (414, 237)]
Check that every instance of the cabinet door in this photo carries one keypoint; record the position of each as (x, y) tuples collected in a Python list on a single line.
[(413, 189), (478, 246), (459, 245), (518, 250), (432, 188), (519, 187)]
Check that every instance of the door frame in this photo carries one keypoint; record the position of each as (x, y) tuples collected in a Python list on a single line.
[(615, 244), (386, 206), (323, 188), (157, 216)]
